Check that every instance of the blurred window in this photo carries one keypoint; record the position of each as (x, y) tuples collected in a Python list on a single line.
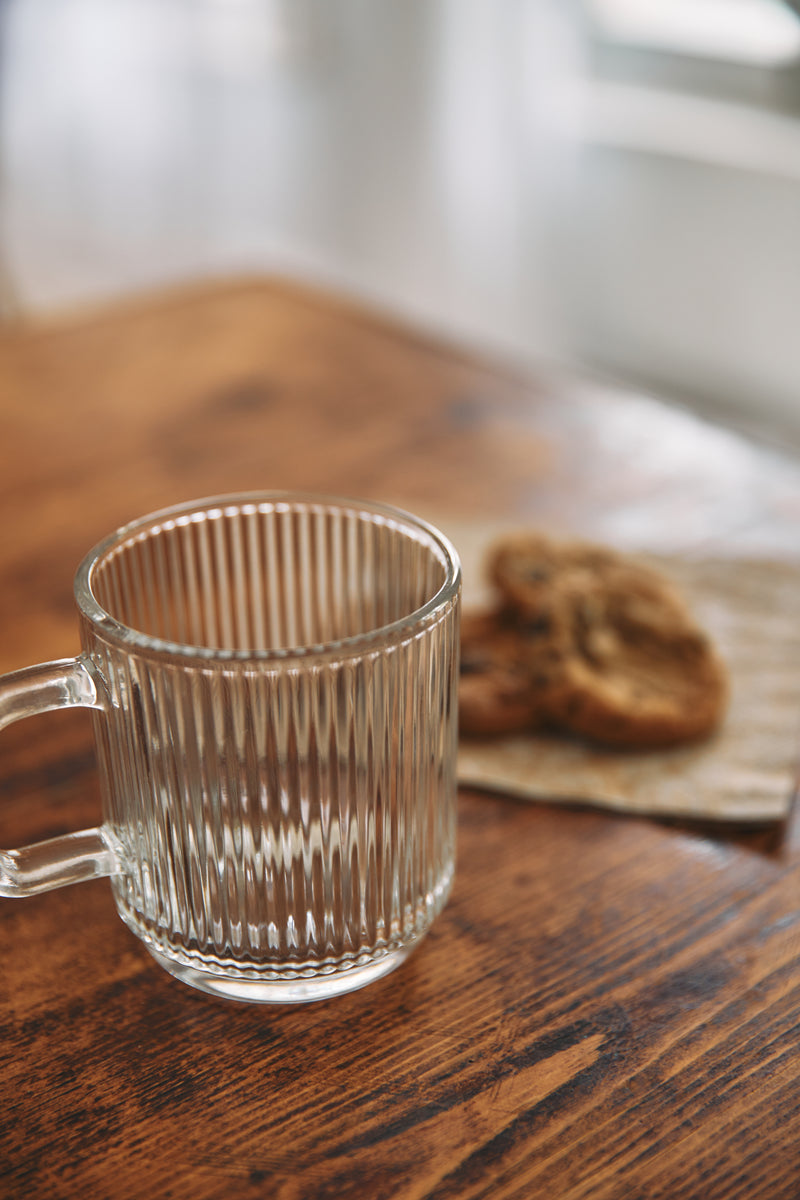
[(759, 33)]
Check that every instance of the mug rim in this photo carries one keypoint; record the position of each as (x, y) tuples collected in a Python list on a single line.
[(133, 639)]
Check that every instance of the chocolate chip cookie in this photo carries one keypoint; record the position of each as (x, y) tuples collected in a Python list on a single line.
[(591, 642), (510, 672)]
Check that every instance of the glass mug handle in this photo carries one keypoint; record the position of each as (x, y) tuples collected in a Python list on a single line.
[(73, 857)]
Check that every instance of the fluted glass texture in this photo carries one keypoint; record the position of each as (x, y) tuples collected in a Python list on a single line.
[(278, 754)]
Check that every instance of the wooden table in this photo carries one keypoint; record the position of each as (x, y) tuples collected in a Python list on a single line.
[(608, 1007)]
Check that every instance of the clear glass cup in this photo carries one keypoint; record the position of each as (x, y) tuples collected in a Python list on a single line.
[(274, 679)]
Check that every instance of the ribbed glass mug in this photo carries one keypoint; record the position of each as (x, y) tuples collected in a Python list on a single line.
[(274, 679)]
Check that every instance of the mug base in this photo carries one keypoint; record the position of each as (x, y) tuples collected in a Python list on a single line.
[(283, 991)]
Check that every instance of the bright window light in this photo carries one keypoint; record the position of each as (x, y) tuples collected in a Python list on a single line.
[(764, 33)]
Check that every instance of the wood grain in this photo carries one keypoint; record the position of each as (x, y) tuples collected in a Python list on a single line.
[(608, 1007)]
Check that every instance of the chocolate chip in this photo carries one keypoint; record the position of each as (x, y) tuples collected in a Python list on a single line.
[(536, 574), (539, 626), (473, 665)]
